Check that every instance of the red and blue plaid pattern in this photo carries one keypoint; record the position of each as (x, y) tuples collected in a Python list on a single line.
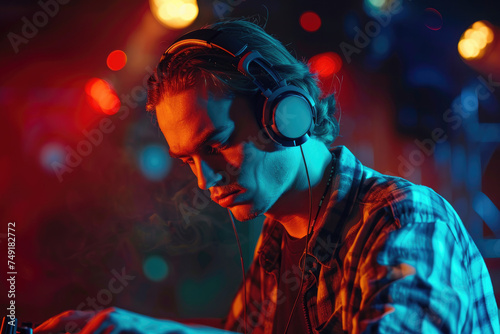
[(387, 257)]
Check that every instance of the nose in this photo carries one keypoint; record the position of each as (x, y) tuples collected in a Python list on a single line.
[(207, 176)]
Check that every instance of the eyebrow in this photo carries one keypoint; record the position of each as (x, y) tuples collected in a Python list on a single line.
[(207, 138)]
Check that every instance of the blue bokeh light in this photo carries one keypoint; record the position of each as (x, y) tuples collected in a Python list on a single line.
[(469, 101), (381, 45), (154, 161), (428, 76)]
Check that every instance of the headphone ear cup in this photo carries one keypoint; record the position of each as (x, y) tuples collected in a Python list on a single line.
[(292, 117), (289, 115)]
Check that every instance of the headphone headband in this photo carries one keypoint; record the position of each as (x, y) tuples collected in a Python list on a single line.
[(210, 38), (284, 117)]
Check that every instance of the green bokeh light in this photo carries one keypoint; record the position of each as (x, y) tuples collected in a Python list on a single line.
[(155, 268)]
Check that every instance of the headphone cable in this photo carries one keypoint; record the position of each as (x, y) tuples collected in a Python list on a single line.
[(307, 241), (305, 252), (242, 270)]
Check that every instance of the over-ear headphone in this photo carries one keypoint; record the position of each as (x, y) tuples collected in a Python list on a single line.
[(288, 112)]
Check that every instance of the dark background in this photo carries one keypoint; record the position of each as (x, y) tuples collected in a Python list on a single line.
[(126, 203)]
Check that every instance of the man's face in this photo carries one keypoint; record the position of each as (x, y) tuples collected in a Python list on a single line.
[(219, 138)]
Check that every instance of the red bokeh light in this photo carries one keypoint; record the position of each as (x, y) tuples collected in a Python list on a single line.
[(310, 21), (116, 60), (433, 19), (325, 64), (102, 97)]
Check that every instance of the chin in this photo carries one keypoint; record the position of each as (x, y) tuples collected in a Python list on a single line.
[(245, 212)]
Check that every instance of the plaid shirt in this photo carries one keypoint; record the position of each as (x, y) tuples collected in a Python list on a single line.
[(388, 257)]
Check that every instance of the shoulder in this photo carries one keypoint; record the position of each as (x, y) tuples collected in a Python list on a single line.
[(405, 201), (410, 217), (419, 254), (399, 213)]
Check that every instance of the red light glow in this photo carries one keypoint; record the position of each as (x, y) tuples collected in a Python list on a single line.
[(102, 97), (325, 64), (116, 60), (310, 21)]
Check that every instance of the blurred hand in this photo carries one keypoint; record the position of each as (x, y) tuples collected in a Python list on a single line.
[(114, 320)]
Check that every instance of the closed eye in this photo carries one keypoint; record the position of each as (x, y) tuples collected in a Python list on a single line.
[(209, 150), (216, 149)]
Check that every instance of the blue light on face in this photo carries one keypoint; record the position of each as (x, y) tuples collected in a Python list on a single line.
[(154, 162), (155, 268)]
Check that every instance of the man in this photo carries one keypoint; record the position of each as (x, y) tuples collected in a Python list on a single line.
[(382, 255)]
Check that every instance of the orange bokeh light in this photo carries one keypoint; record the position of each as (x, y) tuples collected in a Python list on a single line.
[(476, 40), (310, 21), (101, 96), (175, 14), (116, 60), (325, 64)]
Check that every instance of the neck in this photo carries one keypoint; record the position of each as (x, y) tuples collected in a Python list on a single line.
[(292, 208)]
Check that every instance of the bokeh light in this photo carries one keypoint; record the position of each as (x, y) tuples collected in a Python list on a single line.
[(116, 60), (155, 268), (154, 162), (325, 64), (382, 9), (175, 14), (469, 100), (475, 40), (51, 153), (381, 45), (376, 3), (310, 21), (375, 7), (428, 76), (101, 96), (433, 19)]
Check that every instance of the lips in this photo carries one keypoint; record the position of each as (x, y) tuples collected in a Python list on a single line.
[(225, 199)]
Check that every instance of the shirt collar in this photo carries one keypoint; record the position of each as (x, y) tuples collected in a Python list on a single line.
[(327, 237)]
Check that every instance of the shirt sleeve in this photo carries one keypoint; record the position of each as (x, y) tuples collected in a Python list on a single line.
[(421, 278)]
